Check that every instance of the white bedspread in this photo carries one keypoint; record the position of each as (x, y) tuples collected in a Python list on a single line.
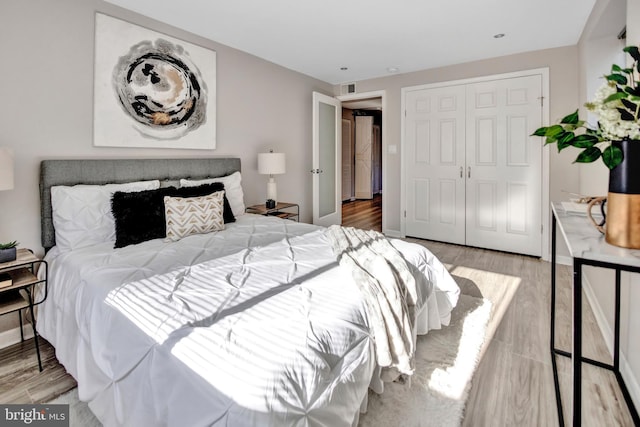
[(254, 325)]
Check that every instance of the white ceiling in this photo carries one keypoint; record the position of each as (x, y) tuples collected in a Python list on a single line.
[(317, 38)]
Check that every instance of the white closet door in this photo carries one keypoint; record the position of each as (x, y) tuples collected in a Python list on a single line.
[(347, 160), (434, 161), (364, 129), (504, 182)]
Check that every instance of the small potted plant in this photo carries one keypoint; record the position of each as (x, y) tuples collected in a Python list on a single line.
[(8, 251)]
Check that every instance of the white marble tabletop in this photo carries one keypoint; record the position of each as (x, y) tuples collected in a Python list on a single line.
[(586, 242)]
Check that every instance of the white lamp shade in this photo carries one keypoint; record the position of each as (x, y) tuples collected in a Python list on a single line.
[(6, 169), (271, 163)]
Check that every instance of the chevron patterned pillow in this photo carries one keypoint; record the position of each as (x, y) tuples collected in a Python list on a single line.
[(193, 215)]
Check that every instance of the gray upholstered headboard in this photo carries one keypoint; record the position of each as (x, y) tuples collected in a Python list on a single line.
[(78, 171)]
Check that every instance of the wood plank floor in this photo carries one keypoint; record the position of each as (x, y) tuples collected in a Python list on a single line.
[(513, 385), (364, 214), (20, 379)]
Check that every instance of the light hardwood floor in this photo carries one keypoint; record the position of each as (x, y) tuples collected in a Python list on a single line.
[(513, 385)]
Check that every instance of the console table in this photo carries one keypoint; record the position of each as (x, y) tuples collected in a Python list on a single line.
[(587, 247)]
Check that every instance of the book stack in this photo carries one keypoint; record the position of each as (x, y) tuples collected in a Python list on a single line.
[(5, 280)]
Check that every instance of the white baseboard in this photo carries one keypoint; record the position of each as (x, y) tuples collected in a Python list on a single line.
[(564, 260), (393, 234), (630, 380), (12, 336), (625, 369)]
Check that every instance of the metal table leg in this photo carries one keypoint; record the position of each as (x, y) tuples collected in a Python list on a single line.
[(33, 325), (21, 331), (552, 343), (577, 342)]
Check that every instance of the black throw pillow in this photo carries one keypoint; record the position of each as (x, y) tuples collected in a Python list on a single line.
[(139, 216)]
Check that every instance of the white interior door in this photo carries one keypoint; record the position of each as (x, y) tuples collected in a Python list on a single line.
[(364, 173), (434, 162), (326, 157), (504, 173), (473, 174)]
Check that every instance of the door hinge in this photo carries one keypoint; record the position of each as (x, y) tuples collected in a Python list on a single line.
[(541, 228), (541, 98), (405, 214)]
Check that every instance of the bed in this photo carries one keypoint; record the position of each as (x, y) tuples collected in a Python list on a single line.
[(255, 324)]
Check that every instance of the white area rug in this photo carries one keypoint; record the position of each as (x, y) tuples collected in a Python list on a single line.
[(445, 363), (79, 413)]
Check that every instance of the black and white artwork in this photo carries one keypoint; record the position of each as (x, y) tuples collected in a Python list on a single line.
[(151, 90)]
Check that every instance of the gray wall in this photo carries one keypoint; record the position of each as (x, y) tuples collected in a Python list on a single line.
[(46, 94), (598, 49), (46, 110), (563, 87)]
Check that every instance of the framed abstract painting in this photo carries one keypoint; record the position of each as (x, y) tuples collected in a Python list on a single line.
[(151, 90)]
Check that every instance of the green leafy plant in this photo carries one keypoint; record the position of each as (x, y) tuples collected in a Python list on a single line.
[(8, 245), (617, 104)]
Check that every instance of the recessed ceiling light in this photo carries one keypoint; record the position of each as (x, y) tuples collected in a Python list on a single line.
[(344, 68), (498, 36), (393, 69)]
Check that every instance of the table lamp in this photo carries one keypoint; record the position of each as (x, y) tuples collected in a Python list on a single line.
[(271, 164), (7, 250)]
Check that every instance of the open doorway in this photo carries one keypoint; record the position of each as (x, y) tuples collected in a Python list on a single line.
[(362, 153)]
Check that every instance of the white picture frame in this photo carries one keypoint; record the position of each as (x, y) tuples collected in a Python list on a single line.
[(151, 90)]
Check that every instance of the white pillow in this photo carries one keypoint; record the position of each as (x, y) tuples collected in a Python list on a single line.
[(82, 213), (193, 215), (232, 187)]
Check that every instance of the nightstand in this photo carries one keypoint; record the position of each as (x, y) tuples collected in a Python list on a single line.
[(282, 210), (20, 294)]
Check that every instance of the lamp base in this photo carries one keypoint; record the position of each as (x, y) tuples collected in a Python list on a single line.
[(272, 192)]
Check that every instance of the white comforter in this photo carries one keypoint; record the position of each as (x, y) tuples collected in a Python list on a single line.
[(254, 325)]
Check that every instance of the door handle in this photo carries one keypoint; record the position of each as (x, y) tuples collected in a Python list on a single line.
[(469, 172), (316, 170)]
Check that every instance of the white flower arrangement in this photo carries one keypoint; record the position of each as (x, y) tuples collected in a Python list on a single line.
[(612, 126), (617, 105)]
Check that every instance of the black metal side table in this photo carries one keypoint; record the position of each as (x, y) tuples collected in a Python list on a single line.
[(587, 247), (19, 294)]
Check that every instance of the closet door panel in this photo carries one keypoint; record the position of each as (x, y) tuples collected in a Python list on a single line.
[(434, 161), (483, 201), (363, 164), (501, 116)]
